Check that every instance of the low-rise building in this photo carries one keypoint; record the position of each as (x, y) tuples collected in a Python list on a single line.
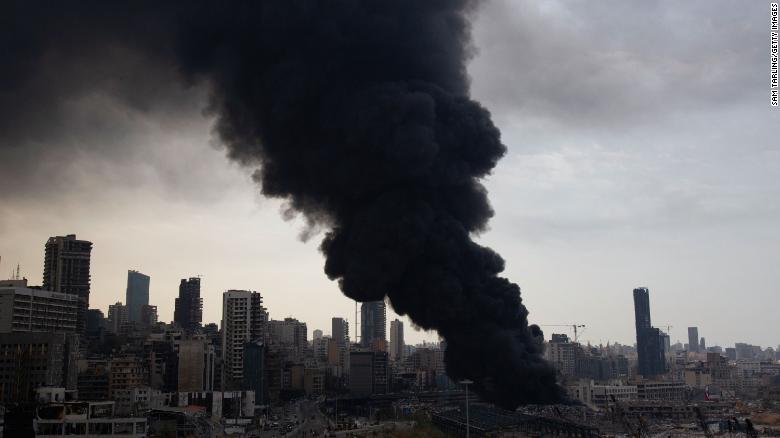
[(661, 391), (93, 419)]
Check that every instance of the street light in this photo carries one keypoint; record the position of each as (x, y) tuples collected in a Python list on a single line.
[(467, 382)]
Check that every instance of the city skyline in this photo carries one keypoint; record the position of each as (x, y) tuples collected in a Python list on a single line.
[(633, 194), (422, 336)]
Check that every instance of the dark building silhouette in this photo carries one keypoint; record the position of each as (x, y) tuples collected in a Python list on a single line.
[(136, 295), (66, 270), (693, 339), (373, 323), (254, 370), (340, 331), (188, 311), (96, 322), (649, 340)]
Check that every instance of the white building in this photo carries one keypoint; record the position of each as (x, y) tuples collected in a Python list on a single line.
[(244, 320), (600, 396), (25, 309)]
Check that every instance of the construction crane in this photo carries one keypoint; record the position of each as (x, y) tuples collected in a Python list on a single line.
[(573, 326)]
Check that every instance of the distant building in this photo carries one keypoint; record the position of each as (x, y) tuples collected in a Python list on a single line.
[(96, 322), (188, 311), (126, 373), (661, 391), (316, 334), (373, 323), (338, 350), (396, 340), (148, 316), (196, 365), (254, 370), (288, 333), (29, 361), (244, 319), (340, 331), (693, 339), (118, 318), (650, 341), (136, 294), (368, 373), (24, 309), (562, 354), (66, 270), (702, 345), (745, 351), (93, 377)]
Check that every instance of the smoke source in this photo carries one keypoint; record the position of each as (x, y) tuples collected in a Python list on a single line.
[(357, 113)]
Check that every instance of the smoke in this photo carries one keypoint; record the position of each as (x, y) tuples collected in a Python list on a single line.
[(357, 114)]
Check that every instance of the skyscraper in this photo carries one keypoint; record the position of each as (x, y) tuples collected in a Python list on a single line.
[(693, 339), (188, 311), (338, 354), (642, 308), (649, 340), (373, 323), (66, 270), (136, 294), (244, 320), (396, 339), (339, 330)]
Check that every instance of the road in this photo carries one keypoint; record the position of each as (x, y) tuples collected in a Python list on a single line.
[(308, 413)]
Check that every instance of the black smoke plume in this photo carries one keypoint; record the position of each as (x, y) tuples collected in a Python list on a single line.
[(357, 113)]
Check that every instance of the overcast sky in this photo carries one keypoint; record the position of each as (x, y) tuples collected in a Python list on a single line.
[(642, 152)]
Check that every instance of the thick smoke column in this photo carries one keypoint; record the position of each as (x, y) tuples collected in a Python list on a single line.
[(358, 115)]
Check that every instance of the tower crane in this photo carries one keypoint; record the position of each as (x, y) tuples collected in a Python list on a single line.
[(573, 326)]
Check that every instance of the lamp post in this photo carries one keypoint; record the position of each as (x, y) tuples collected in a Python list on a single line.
[(467, 382)]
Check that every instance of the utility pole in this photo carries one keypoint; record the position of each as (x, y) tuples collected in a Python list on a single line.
[(467, 382)]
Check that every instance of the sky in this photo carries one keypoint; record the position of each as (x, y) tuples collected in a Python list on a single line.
[(642, 152)]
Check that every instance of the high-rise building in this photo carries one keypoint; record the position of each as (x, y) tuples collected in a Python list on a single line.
[(244, 320), (117, 318), (561, 353), (316, 334), (24, 309), (702, 345), (136, 294), (338, 351), (649, 340), (66, 270), (188, 311), (642, 308), (693, 339), (373, 323), (340, 331), (396, 339)]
